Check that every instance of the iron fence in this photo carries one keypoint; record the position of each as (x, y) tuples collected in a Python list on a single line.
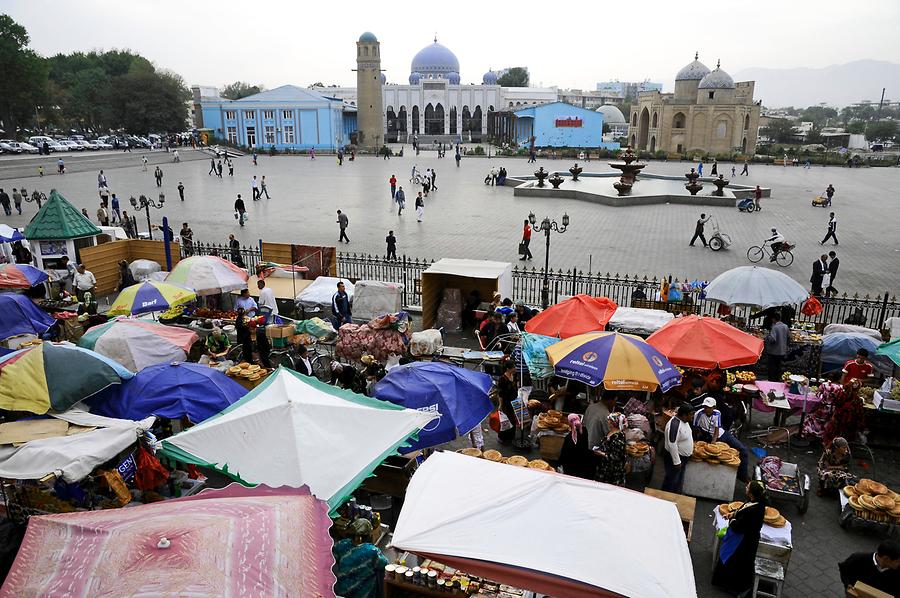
[(404, 270), (243, 257)]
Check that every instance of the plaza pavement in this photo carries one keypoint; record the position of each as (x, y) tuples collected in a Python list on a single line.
[(465, 218)]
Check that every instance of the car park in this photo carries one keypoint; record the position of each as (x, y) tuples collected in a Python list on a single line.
[(100, 145), (86, 145), (22, 147), (70, 145)]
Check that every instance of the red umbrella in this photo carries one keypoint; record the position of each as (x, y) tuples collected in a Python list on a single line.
[(701, 342), (574, 316)]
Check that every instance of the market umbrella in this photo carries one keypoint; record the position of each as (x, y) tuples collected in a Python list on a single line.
[(137, 344), (19, 315), (208, 275), (458, 396), (700, 342), (756, 286), (618, 361), (534, 352), (229, 542), (143, 269), (293, 430), (890, 350), (145, 297), (576, 315), (20, 276), (172, 390), (9, 234), (50, 376)]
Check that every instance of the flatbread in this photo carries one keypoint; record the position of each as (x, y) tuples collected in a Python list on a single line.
[(772, 514), (780, 522), (883, 502), (492, 455), (471, 452), (850, 491), (518, 461)]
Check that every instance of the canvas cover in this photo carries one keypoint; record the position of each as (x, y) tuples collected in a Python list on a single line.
[(639, 320), (501, 271), (317, 296), (373, 298)]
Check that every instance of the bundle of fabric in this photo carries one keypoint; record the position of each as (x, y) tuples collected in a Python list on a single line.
[(398, 321), (355, 340), (316, 327)]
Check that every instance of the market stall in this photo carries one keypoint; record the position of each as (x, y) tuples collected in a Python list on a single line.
[(576, 315), (755, 286), (207, 275), (59, 230), (497, 538), (638, 320), (465, 276), (840, 347), (315, 299)]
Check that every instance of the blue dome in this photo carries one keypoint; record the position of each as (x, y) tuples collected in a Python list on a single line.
[(453, 77), (695, 71), (435, 60), (489, 78), (717, 79), (368, 36), (414, 78), (383, 79)]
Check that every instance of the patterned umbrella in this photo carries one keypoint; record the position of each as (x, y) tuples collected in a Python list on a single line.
[(618, 361), (231, 542), (51, 376), (208, 275), (137, 344), (145, 297), (20, 276), (9, 234)]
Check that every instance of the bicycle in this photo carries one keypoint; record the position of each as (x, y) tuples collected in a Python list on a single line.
[(783, 257), (417, 179)]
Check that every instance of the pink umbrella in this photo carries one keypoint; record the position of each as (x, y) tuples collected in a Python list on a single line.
[(233, 542)]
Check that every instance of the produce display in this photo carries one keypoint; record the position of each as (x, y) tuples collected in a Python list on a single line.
[(214, 314), (356, 340), (716, 453), (745, 377), (172, 313), (874, 501), (516, 460), (867, 394)]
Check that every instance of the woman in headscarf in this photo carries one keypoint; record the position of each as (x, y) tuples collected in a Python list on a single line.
[(576, 457), (834, 467), (358, 564), (737, 552), (611, 451), (828, 394), (849, 415)]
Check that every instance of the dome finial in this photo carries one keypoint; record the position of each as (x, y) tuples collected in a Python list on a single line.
[(719, 63), (696, 55), (435, 37)]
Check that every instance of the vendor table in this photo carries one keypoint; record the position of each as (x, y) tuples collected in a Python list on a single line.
[(848, 518), (795, 401), (709, 480), (686, 506), (771, 539)]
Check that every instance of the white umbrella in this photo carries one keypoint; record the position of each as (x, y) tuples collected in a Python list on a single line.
[(208, 275), (753, 285)]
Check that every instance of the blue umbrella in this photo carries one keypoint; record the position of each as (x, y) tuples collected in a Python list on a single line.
[(460, 396), (19, 315), (172, 390)]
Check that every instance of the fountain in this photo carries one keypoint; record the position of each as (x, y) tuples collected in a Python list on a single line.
[(556, 180), (541, 174), (629, 171), (692, 185), (720, 184), (575, 171)]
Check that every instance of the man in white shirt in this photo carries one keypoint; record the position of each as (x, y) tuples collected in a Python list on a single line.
[(83, 281), (708, 421), (247, 303), (679, 447), (267, 298)]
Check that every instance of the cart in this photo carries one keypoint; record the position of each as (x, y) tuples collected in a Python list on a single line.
[(821, 201), (796, 488), (718, 240)]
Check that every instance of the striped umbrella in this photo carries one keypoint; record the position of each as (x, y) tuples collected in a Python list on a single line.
[(20, 276), (618, 361), (150, 296)]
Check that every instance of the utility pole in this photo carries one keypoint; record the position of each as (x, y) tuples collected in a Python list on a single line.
[(880, 105)]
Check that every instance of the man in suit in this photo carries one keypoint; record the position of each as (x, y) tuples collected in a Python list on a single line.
[(820, 267), (833, 265), (304, 366)]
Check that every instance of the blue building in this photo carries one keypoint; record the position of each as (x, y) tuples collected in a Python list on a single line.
[(287, 117), (560, 125)]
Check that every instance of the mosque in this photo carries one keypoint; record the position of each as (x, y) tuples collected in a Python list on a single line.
[(708, 112)]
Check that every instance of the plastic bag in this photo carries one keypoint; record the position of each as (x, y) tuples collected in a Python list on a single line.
[(426, 342), (150, 472), (811, 307), (674, 294)]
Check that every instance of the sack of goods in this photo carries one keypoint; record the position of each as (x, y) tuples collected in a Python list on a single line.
[(355, 340), (426, 342)]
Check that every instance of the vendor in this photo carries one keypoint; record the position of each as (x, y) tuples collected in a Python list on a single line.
[(595, 418), (611, 451), (247, 303), (880, 569), (859, 368), (576, 457), (834, 467), (735, 564), (679, 444), (358, 564), (217, 343), (849, 416), (827, 395), (493, 329), (244, 338), (507, 391), (524, 313), (708, 425)]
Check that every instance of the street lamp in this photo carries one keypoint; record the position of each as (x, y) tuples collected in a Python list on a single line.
[(37, 197), (546, 226), (145, 203)]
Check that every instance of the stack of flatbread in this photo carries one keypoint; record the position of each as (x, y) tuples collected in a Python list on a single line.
[(874, 501), (716, 453)]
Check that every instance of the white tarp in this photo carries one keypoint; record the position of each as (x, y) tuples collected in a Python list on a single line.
[(317, 296), (72, 457), (639, 319), (294, 430), (501, 271), (601, 535), (835, 328), (373, 298)]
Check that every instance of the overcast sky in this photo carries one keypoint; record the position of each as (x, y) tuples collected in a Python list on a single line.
[(564, 43)]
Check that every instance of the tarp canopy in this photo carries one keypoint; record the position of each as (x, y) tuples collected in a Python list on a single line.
[(492, 519), (317, 296), (71, 457), (639, 320), (576, 315), (534, 352), (19, 315), (137, 344), (293, 430), (700, 342), (230, 542)]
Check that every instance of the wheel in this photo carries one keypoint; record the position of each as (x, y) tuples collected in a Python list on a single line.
[(321, 367), (784, 258), (804, 503), (755, 253), (715, 243), (236, 354), (279, 358)]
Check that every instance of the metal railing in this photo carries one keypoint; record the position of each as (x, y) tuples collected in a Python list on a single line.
[(244, 257)]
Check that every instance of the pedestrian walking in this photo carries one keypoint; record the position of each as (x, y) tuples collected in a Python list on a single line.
[(254, 187), (175, 157), (393, 183), (746, 169), (230, 166), (400, 198), (17, 201), (128, 225), (61, 167), (833, 265), (715, 168), (144, 163), (102, 216), (181, 190), (312, 153), (829, 193), (254, 157), (420, 207), (239, 209), (458, 157), (698, 229), (219, 169), (426, 184), (832, 230), (83, 210), (700, 168), (114, 207), (433, 179), (158, 175), (340, 157), (41, 170), (343, 222), (391, 241), (733, 171), (101, 179), (262, 188), (4, 201), (212, 166), (524, 251), (187, 239), (757, 196), (820, 268)]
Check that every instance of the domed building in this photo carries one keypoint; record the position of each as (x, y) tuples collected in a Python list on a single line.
[(707, 113), (613, 117)]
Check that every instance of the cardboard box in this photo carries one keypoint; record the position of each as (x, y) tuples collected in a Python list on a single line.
[(276, 331), (862, 590)]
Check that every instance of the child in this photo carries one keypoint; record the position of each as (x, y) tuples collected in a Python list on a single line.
[(40, 171)]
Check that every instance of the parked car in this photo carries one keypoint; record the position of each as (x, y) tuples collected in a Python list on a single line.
[(70, 145), (54, 146), (99, 145), (22, 146), (7, 146), (86, 145)]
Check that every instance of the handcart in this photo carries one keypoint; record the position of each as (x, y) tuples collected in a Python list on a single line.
[(718, 240), (821, 201), (793, 485)]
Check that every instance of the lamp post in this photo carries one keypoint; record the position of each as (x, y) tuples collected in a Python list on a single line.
[(546, 226), (145, 203), (37, 197)]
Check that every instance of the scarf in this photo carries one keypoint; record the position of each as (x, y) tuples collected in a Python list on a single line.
[(574, 426)]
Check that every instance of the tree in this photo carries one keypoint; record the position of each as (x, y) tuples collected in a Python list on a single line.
[(151, 101), (514, 77), (24, 80), (814, 135), (239, 89), (779, 130), (882, 130), (818, 115)]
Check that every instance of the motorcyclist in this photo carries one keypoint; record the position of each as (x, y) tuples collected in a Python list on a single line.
[(776, 241)]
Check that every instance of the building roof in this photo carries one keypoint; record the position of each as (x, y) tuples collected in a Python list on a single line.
[(531, 111), (694, 71), (612, 115), (58, 219), (434, 59), (285, 93), (368, 36), (717, 79), (489, 78)]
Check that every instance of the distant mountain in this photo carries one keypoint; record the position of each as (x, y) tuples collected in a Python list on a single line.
[(837, 85)]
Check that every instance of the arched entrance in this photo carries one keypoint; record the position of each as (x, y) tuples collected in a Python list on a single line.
[(744, 145), (653, 144), (476, 120), (415, 120), (434, 119), (391, 123), (453, 120), (632, 141), (644, 129), (467, 118), (655, 120), (401, 122)]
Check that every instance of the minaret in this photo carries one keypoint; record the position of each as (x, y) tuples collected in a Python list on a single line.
[(369, 115)]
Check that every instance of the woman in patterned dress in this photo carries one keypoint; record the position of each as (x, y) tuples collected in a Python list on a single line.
[(829, 393), (849, 415), (611, 452), (834, 467)]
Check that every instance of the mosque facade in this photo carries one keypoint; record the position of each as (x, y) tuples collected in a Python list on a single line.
[(708, 113)]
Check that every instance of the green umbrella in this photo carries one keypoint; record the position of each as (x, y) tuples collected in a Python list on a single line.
[(890, 350)]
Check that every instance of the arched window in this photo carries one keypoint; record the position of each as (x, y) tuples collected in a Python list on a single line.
[(678, 120), (655, 120), (401, 120), (415, 119), (467, 117), (633, 118), (452, 120), (653, 143), (746, 122), (721, 129), (366, 50), (392, 124), (632, 141)]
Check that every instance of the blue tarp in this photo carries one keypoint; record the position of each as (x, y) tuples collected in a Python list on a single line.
[(171, 390), (839, 347), (460, 396), (19, 315)]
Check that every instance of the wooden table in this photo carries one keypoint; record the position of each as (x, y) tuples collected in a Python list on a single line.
[(686, 506)]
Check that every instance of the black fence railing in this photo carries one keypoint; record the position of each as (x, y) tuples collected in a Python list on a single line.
[(626, 290)]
